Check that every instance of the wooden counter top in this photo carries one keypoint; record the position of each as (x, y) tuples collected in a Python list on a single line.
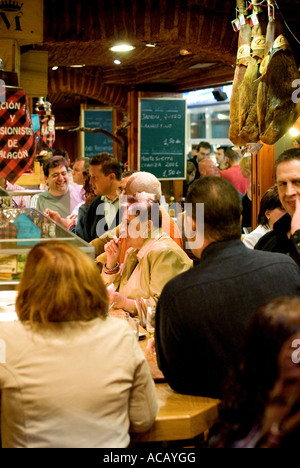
[(180, 417)]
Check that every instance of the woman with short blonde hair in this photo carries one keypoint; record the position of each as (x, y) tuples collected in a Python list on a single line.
[(70, 375), (60, 284)]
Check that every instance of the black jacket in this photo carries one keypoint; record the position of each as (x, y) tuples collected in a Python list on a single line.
[(95, 223), (202, 314), (278, 241)]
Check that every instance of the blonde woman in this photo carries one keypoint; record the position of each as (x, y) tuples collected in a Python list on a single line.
[(63, 377)]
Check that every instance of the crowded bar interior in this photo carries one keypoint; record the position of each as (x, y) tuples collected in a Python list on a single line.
[(149, 226)]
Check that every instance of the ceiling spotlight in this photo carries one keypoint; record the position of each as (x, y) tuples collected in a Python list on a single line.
[(122, 48), (77, 66), (151, 44), (294, 132), (117, 62), (54, 68), (185, 52)]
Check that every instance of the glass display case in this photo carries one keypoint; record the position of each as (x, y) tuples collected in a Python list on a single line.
[(20, 230)]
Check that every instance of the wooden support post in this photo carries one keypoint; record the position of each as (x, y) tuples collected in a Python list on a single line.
[(178, 189), (263, 177), (133, 115)]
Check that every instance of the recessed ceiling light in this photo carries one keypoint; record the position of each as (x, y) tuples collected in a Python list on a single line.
[(294, 132), (77, 66), (122, 48), (151, 44), (117, 62), (54, 68), (185, 52)]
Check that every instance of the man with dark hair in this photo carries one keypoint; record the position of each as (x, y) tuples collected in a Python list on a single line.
[(203, 152), (285, 237), (60, 196), (202, 314), (103, 213), (221, 158)]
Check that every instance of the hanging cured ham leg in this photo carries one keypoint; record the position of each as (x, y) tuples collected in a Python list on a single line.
[(248, 123), (277, 113), (242, 62)]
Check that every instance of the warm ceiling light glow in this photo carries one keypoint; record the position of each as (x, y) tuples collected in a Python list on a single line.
[(151, 45), (77, 66), (117, 62), (122, 48), (294, 132), (185, 52), (54, 68)]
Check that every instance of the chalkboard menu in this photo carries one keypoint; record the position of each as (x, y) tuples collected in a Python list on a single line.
[(162, 138), (95, 143)]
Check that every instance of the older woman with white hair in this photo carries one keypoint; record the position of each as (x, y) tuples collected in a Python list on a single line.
[(152, 257)]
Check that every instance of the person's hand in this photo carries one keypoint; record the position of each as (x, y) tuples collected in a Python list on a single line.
[(295, 225), (117, 300), (151, 346), (112, 249), (54, 215)]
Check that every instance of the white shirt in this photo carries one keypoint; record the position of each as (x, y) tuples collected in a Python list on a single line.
[(111, 209), (251, 239), (76, 385)]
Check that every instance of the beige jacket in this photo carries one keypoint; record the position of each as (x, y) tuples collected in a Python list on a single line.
[(83, 384), (159, 260)]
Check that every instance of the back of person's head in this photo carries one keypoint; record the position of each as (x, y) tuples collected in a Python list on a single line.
[(289, 155), (109, 164), (282, 412), (60, 283), (248, 389), (246, 163), (190, 168), (232, 155), (222, 207), (53, 162), (144, 182), (269, 202), (204, 144)]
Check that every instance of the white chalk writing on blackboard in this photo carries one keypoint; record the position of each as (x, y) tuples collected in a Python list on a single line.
[(162, 137)]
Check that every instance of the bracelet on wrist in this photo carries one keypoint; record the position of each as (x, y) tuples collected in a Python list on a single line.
[(111, 271)]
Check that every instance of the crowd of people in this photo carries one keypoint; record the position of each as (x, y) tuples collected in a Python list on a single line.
[(211, 291)]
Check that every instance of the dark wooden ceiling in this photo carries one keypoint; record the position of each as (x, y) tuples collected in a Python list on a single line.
[(81, 33)]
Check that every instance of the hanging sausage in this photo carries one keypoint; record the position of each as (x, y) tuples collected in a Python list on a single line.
[(248, 120), (243, 58), (277, 112)]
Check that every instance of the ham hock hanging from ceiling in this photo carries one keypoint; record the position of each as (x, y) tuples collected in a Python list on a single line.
[(262, 107)]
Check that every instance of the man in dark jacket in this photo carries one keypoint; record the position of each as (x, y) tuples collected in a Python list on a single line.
[(202, 315), (103, 213), (285, 237)]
